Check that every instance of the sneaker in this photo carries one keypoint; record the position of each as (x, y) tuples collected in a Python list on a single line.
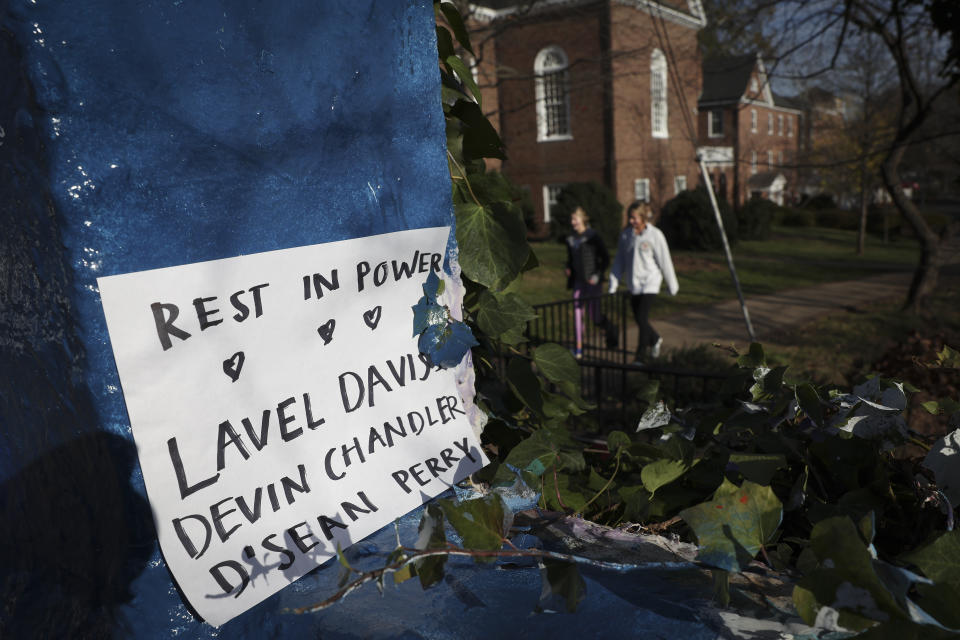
[(655, 349), (578, 354)]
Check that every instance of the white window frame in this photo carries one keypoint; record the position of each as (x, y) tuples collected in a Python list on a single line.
[(679, 184), (753, 120), (714, 131), (753, 162), (770, 159), (780, 124), (769, 124), (553, 100), (790, 127), (550, 193), (659, 126), (780, 157), (754, 87), (641, 189)]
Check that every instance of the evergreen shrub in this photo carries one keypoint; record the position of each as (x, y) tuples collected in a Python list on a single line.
[(688, 222), (600, 203), (838, 219), (755, 218), (793, 217)]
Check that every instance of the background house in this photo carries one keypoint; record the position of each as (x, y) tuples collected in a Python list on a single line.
[(750, 137), (601, 91)]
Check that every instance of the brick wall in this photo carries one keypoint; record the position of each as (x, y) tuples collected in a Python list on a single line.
[(531, 163), (637, 153)]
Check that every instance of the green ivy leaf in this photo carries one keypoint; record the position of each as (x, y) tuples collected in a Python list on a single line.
[(556, 364), (662, 472), (647, 392), (562, 584), (948, 358), (454, 148), (455, 21), (444, 43), (525, 385), (758, 467), (479, 522), (503, 316), (940, 559), (560, 494), (809, 403), (636, 503), (932, 406), (753, 358), (466, 77), (545, 448), (480, 139), (846, 579), (558, 406), (431, 536), (617, 439), (403, 574), (732, 527), (493, 246), (769, 384)]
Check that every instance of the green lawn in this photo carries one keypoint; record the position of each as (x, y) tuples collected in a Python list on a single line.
[(792, 257)]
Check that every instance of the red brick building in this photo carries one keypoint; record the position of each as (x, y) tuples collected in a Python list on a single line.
[(750, 138), (592, 90)]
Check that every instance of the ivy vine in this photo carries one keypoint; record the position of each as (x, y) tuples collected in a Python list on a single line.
[(827, 486)]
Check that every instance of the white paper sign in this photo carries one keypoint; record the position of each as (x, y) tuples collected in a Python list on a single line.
[(280, 407)]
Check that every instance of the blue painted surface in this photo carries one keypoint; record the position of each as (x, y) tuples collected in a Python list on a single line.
[(138, 135)]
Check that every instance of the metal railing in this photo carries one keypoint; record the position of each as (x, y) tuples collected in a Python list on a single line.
[(608, 379)]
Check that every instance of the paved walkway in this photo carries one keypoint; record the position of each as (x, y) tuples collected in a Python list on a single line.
[(723, 323)]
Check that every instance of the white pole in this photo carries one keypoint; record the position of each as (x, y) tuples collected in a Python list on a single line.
[(726, 247)]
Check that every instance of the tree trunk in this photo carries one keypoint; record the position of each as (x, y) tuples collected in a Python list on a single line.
[(928, 269), (862, 234)]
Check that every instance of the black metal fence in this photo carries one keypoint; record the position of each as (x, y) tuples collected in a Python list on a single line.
[(606, 345)]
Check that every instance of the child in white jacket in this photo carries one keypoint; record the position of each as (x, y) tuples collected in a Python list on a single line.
[(643, 255)]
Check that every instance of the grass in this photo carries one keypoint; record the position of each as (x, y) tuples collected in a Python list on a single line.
[(837, 349), (841, 348), (791, 258)]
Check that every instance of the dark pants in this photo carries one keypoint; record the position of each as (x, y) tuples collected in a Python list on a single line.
[(641, 312)]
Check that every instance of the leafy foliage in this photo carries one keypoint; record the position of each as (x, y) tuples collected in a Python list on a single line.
[(601, 205), (803, 477), (689, 222), (755, 217), (493, 186)]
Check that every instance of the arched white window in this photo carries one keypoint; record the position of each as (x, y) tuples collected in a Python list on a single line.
[(658, 94), (553, 94)]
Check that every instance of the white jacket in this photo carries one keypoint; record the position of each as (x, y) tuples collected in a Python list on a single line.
[(646, 260)]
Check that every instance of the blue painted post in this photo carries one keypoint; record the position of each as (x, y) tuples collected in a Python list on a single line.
[(138, 135)]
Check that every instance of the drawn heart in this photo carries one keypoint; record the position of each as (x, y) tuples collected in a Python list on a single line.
[(372, 317), (326, 330), (233, 364)]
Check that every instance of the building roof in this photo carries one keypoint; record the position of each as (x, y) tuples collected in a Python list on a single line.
[(790, 102), (725, 79), (688, 12), (764, 179)]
